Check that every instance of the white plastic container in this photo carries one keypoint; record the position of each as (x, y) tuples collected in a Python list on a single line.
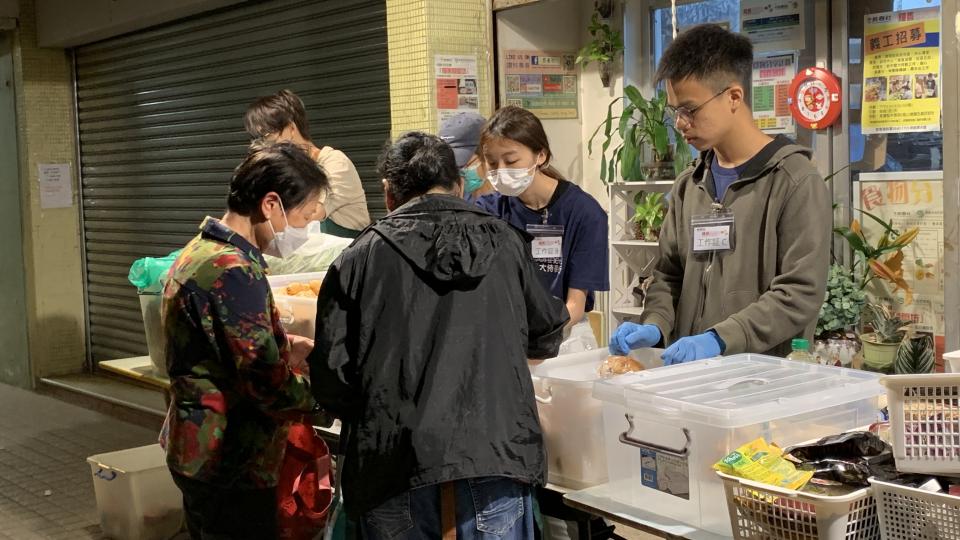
[(153, 325), (298, 314), (665, 428), (952, 361), (925, 421), (136, 496), (764, 511), (572, 419), (909, 514)]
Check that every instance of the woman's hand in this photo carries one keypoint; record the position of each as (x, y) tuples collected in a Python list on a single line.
[(300, 349)]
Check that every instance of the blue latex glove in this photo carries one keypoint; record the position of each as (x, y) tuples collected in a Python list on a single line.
[(688, 349), (630, 336)]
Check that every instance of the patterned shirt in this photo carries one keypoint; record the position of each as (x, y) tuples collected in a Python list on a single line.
[(228, 358)]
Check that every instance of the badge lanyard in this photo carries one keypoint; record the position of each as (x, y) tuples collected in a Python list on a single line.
[(713, 232)]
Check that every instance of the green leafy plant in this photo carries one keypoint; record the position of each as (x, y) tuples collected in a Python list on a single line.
[(844, 303), (640, 126), (887, 327), (915, 355), (882, 260), (605, 45), (649, 211)]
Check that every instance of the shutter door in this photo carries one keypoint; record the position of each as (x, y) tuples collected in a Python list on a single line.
[(160, 119)]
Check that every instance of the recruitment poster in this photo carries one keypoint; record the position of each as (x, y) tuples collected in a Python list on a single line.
[(543, 82), (773, 26), (910, 200), (771, 88), (456, 85), (901, 72)]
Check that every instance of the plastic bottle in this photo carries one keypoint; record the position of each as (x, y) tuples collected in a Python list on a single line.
[(801, 352)]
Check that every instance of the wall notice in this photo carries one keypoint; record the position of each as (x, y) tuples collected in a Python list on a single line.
[(771, 88), (773, 26), (56, 187), (909, 200), (543, 82), (901, 72), (457, 89)]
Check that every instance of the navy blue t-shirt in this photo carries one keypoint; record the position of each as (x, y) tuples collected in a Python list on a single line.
[(585, 253), (723, 177)]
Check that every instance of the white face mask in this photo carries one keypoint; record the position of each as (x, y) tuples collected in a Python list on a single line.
[(288, 240), (512, 182)]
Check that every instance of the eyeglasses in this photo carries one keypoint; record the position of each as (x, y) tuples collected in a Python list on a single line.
[(676, 114)]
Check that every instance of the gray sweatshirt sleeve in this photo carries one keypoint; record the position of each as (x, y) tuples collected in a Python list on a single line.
[(793, 300), (660, 307)]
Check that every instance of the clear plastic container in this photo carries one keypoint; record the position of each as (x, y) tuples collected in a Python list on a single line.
[(297, 314), (665, 428), (136, 496), (801, 352), (150, 304), (572, 419)]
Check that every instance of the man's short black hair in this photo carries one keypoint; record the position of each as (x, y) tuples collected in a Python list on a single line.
[(710, 54), (416, 163), (272, 114), (282, 168)]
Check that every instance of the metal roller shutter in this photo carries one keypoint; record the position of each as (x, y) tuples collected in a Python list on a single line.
[(160, 119)]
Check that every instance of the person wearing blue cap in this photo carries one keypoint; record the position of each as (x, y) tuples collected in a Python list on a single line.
[(462, 133)]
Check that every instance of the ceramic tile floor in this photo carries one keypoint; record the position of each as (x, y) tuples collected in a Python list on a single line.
[(46, 488)]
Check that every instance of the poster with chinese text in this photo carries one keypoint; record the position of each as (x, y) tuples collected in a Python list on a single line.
[(901, 72), (773, 26), (457, 89), (909, 200), (543, 82), (771, 88)]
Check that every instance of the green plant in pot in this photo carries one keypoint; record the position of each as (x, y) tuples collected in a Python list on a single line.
[(916, 354), (640, 129), (649, 211), (606, 44), (881, 344), (840, 312)]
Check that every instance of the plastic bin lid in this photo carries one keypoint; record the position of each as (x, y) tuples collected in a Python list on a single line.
[(582, 367), (738, 390)]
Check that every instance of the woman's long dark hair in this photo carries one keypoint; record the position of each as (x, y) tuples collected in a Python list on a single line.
[(522, 126)]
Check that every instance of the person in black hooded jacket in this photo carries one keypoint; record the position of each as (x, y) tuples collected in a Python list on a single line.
[(424, 328)]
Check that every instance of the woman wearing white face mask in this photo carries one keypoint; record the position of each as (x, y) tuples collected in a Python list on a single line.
[(569, 227), (236, 377)]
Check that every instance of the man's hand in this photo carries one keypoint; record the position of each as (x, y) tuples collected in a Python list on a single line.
[(630, 336), (688, 349), (300, 348)]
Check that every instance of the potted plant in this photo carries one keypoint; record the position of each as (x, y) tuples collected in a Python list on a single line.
[(916, 354), (881, 344), (641, 126), (605, 45), (840, 312), (649, 210)]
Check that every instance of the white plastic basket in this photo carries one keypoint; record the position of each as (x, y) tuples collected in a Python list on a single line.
[(925, 420), (914, 514), (764, 512)]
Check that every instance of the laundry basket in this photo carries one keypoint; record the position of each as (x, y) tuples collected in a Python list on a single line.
[(925, 420), (765, 512), (914, 514)]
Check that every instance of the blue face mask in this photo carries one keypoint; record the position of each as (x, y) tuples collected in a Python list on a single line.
[(471, 180)]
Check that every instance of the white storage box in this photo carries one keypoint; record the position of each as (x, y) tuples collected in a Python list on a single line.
[(925, 421), (298, 314), (764, 511), (910, 514), (572, 419), (150, 304), (136, 496), (952, 361), (666, 427)]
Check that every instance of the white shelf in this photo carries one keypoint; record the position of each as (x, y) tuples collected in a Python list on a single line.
[(634, 243), (627, 311)]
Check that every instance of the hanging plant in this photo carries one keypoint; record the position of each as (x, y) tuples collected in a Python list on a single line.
[(604, 47)]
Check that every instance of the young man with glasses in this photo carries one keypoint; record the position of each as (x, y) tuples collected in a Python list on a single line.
[(745, 245)]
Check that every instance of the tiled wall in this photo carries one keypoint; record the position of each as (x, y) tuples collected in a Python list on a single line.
[(52, 236), (418, 30)]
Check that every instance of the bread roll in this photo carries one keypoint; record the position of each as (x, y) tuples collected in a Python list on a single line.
[(618, 365)]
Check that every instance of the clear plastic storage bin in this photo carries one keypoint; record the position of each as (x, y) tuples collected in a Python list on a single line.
[(572, 419), (297, 314), (925, 421), (666, 427), (136, 496)]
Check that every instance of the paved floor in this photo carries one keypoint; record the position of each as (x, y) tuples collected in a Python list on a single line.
[(46, 487)]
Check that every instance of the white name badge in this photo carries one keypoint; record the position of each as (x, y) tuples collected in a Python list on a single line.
[(547, 247), (713, 233)]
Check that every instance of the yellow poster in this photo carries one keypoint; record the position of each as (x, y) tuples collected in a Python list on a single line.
[(907, 200), (901, 71)]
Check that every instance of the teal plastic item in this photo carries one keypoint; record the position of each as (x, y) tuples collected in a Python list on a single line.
[(148, 273)]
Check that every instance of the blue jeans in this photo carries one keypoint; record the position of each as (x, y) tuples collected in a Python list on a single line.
[(488, 508)]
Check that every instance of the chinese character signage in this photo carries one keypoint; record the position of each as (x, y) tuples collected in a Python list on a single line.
[(543, 82), (456, 85), (773, 26), (901, 72), (909, 200), (771, 88)]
